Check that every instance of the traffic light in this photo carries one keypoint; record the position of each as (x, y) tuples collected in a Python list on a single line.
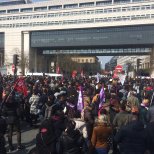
[(139, 62), (15, 59)]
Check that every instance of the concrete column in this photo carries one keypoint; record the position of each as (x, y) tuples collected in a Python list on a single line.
[(152, 62), (26, 49), (112, 1), (13, 42)]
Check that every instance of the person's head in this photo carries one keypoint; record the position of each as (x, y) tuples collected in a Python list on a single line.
[(123, 105), (35, 91), (102, 119)]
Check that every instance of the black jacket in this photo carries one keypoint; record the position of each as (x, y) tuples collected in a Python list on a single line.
[(3, 126), (150, 133), (132, 138), (70, 142), (11, 111)]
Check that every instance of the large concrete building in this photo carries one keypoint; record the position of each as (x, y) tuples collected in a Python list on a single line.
[(29, 28), (131, 62)]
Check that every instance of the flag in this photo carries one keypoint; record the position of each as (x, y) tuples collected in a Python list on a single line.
[(115, 75), (80, 103), (122, 78), (74, 73), (82, 73), (98, 77), (58, 70), (21, 87), (102, 97)]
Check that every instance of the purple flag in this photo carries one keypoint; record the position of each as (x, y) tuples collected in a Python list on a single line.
[(80, 104), (102, 97)]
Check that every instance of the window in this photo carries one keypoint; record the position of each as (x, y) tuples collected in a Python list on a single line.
[(86, 4), (13, 11), (40, 8), (70, 6), (26, 10), (55, 7)]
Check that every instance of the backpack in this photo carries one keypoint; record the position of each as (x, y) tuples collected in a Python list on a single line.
[(46, 132)]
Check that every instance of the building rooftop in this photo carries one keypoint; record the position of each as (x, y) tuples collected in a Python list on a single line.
[(14, 2)]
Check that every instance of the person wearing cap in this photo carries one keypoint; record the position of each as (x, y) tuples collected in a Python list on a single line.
[(100, 135)]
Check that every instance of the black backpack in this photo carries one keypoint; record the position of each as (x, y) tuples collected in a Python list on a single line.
[(46, 138)]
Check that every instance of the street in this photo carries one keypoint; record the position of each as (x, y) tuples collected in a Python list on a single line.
[(28, 135)]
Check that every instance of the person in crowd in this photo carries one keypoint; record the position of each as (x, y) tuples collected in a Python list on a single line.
[(132, 138), (100, 136), (3, 127), (34, 101), (143, 110), (132, 101), (71, 141), (88, 117), (121, 118), (49, 105), (150, 128), (95, 103), (10, 111), (114, 106)]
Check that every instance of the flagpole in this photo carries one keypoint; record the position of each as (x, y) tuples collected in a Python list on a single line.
[(152, 99), (8, 95)]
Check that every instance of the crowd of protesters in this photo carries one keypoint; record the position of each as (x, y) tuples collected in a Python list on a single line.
[(122, 124)]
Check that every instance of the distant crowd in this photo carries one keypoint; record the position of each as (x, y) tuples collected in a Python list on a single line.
[(111, 117)]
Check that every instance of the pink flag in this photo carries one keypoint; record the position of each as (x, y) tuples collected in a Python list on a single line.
[(80, 104), (102, 97)]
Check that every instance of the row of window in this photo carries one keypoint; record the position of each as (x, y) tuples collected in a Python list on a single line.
[(130, 50), (66, 6), (78, 21), (75, 13)]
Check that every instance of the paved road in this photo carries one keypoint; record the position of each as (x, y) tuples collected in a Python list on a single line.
[(27, 139)]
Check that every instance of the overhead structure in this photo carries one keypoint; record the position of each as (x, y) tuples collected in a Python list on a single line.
[(14, 2)]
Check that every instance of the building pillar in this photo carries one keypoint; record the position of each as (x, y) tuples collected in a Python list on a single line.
[(12, 45), (30, 54), (152, 62)]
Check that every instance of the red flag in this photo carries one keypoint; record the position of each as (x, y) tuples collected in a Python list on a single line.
[(20, 86), (74, 73), (58, 70)]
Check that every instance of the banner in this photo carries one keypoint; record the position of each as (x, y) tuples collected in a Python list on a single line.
[(122, 78), (80, 103), (102, 97), (98, 77), (20, 86)]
